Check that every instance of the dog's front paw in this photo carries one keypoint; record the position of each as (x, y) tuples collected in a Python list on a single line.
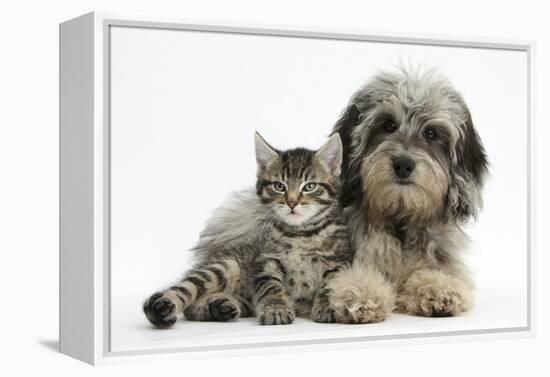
[(361, 295), (160, 310), (434, 294), (276, 314), (436, 303), (364, 310)]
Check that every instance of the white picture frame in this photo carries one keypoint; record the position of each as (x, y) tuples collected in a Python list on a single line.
[(85, 150)]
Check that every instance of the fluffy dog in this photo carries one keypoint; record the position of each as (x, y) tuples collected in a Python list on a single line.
[(413, 171)]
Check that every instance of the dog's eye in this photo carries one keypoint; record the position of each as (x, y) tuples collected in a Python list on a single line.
[(430, 133), (279, 186), (390, 126)]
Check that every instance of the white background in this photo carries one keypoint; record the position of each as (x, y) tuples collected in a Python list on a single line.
[(184, 106), (29, 192)]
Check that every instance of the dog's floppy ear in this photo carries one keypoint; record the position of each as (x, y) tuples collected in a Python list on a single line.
[(350, 179), (471, 154), (468, 172)]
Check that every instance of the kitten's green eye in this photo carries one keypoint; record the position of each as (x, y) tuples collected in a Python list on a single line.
[(309, 187), (279, 186)]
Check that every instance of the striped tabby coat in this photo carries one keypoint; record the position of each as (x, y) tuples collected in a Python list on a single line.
[(308, 242), (269, 251)]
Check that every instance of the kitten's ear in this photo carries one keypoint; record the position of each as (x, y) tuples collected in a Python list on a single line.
[(265, 153), (330, 154)]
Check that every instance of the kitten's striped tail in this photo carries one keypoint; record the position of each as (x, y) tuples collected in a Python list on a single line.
[(163, 307), (238, 222), (227, 243)]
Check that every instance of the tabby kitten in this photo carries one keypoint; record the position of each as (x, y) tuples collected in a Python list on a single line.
[(269, 251), (308, 239)]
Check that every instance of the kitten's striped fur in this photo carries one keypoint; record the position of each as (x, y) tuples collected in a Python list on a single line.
[(308, 242), (218, 286), (252, 258)]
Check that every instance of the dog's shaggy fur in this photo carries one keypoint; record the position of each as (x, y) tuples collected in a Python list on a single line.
[(412, 172), (412, 176)]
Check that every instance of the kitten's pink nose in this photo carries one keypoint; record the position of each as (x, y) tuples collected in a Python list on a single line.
[(292, 203)]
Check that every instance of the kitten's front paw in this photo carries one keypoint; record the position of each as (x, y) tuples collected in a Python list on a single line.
[(160, 310), (276, 314), (323, 314), (223, 309)]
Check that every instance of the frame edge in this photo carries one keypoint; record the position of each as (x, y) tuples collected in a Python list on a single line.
[(76, 194), (96, 349)]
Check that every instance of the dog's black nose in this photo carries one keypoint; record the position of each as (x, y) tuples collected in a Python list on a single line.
[(403, 166)]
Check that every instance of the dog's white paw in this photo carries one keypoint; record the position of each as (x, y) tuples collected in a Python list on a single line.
[(434, 294), (364, 310), (360, 295)]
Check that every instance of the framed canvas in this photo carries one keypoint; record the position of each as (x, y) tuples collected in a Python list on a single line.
[(157, 118)]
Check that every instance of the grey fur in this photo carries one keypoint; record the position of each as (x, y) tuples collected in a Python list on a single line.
[(226, 271), (223, 266), (407, 233), (308, 242), (408, 246)]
